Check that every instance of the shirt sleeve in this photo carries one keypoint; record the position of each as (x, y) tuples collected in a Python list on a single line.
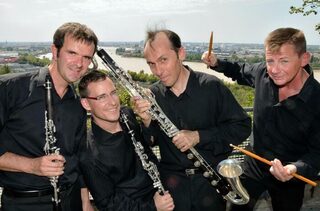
[(308, 165), (3, 112), (244, 73)]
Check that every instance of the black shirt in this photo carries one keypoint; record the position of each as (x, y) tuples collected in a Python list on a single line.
[(22, 126), (207, 106), (113, 172), (288, 130)]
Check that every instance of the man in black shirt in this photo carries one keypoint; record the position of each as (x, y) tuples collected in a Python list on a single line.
[(286, 118), (25, 167), (203, 109), (111, 167)]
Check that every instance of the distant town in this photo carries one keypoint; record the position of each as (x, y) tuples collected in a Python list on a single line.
[(10, 52)]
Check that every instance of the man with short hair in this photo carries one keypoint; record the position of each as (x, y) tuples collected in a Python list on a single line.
[(25, 166), (205, 112), (286, 118), (115, 169)]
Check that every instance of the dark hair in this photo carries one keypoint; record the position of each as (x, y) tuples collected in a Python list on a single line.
[(281, 36), (92, 76), (172, 36), (79, 32)]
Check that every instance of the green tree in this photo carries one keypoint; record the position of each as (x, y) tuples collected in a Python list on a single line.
[(308, 7), (4, 69)]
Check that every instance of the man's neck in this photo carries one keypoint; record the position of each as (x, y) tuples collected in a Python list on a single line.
[(181, 84), (60, 85)]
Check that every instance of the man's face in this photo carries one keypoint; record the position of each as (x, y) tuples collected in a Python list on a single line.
[(73, 59), (163, 61), (284, 65), (105, 108)]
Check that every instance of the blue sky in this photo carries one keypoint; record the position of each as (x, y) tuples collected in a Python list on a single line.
[(238, 21)]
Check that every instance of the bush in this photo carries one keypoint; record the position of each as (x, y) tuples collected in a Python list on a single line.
[(4, 69)]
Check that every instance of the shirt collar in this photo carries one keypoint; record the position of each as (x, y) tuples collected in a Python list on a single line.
[(190, 84), (44, 73), (306, 91)]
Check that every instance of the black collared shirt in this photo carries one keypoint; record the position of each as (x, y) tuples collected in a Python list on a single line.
[(22, 126), (207, 106), (288, 130), (112, 169)]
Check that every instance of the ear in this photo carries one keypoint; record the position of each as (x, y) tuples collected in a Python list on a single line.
[(85, 104), (306, 57), (181, 54), (54, 52)]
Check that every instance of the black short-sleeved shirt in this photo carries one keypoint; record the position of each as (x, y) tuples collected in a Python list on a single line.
[(22, 126), (112, 169), (288, 130), (206, 106)]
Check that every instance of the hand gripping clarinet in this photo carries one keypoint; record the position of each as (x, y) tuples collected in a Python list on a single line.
[(50, 145), (147, 165), (230, 188)]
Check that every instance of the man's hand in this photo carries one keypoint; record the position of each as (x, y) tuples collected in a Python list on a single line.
[(49, 165), (163, 203), (282, 173), (141, 107), (186, 139), (211, 61)]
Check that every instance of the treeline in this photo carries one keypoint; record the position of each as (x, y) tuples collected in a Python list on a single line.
[(31, 59), (26, 59), (143, 77)]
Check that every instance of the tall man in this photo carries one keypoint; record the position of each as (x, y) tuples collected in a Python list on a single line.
[(24, 164), (112, 166), (205, 111), (286, 118)]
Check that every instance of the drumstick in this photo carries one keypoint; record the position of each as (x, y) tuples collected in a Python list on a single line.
[(310, 182), (210, 46)]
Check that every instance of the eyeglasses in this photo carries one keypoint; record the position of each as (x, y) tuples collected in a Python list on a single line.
[(103, 97)]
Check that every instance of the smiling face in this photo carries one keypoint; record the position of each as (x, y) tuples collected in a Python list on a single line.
[(105, 109), (164, 62), (285, 64), (73, 59)]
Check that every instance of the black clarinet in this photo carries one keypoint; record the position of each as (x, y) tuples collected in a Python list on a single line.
[(147, 165), (50, 145)]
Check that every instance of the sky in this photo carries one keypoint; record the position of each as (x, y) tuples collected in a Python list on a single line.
[(232, 21)]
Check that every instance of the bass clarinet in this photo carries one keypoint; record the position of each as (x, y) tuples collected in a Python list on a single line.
[(50, 145), (147, 165), (230, 188)]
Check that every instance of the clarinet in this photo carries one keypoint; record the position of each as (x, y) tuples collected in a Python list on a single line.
[(50, 145), (147, 165)]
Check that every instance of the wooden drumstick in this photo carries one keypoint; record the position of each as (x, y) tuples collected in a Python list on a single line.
[(210, 46), (310, 182)]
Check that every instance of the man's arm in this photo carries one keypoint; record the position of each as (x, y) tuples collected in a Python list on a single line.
[(85, 198), (51, 165), (243, 73)]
